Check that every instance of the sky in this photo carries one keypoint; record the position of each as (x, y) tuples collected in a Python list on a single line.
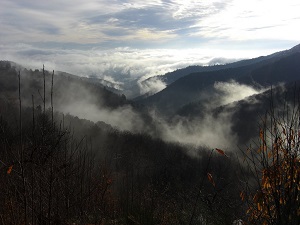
[(125, 40)]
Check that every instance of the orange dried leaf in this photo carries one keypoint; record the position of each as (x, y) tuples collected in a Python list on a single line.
[(256, 197), (242, 195), (281, 201), (211, 180), (220, 151), (261, 134), (259, 208), (9, 169)]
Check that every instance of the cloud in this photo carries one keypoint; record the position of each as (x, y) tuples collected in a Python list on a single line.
[(196, 9), (233, 91), (179, 30), (171, 22), (151, 86), (121, 67), (252, 20), (214, 130), (78, 21), (208, 131), (89, 103), (120, 64), (129, 41), (222, 61), (122, 118), (111, 82)]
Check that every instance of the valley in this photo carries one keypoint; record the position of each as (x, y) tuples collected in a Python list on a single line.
[(74, 151)]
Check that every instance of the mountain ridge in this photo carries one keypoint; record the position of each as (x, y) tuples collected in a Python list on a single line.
[(283, 65), (171, 77)]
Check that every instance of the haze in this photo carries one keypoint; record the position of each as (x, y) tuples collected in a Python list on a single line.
[(121, 41)]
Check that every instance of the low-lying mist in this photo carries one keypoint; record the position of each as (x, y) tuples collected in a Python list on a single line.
[(210, 129), (208, 126), (233, 91), (207, 131), (151, 86), (123, 118), (118, 66)]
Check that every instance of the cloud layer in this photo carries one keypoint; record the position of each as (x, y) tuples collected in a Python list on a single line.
[(124, 40), (118, 66), (172, 22), (213, 130)]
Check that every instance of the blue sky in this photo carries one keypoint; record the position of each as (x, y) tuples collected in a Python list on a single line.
[(121, 40)]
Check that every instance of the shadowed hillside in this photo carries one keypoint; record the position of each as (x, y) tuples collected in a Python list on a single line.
[(200, 86)]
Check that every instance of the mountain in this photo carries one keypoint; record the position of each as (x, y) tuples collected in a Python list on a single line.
[(187, 101), (156, 171), (170, 77), (247, 115), (200, 87), (112, 87), (66, 87)]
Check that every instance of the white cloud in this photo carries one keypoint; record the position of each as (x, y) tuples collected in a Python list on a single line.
[(233, 91), (122, 118), (213, 131), (119, 66), (163, 35), (209, 131), (253, 20), (173, 21), (191, 8), (111, 82), (151, 86)]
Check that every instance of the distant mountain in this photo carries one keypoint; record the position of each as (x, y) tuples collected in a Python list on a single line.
[(67, 88), (247, 115), (241, 119), (199, 87), (94, 81), (170, 77), (169, 114)]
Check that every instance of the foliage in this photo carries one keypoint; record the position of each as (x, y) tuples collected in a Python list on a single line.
[(275, 165)]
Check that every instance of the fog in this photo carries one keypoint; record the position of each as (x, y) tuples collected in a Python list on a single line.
[(123, 118), (210, 130), (207, 131), (120, 67), (233, 91), (213, 131), (151, 86)]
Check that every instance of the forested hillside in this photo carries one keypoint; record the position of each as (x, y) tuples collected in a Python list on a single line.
[(66, 87), (58, 169), (200, 86), (72, 152)]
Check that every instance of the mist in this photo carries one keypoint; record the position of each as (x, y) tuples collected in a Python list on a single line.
[(210, 129), (88, 103), (232, 91), (122, 118), (151, 86), (119, 67)]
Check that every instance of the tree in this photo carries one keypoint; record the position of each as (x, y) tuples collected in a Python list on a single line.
[(275, 165)]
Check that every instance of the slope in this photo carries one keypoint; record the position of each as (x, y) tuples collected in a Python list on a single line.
[(171, 77), (200, 86)]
